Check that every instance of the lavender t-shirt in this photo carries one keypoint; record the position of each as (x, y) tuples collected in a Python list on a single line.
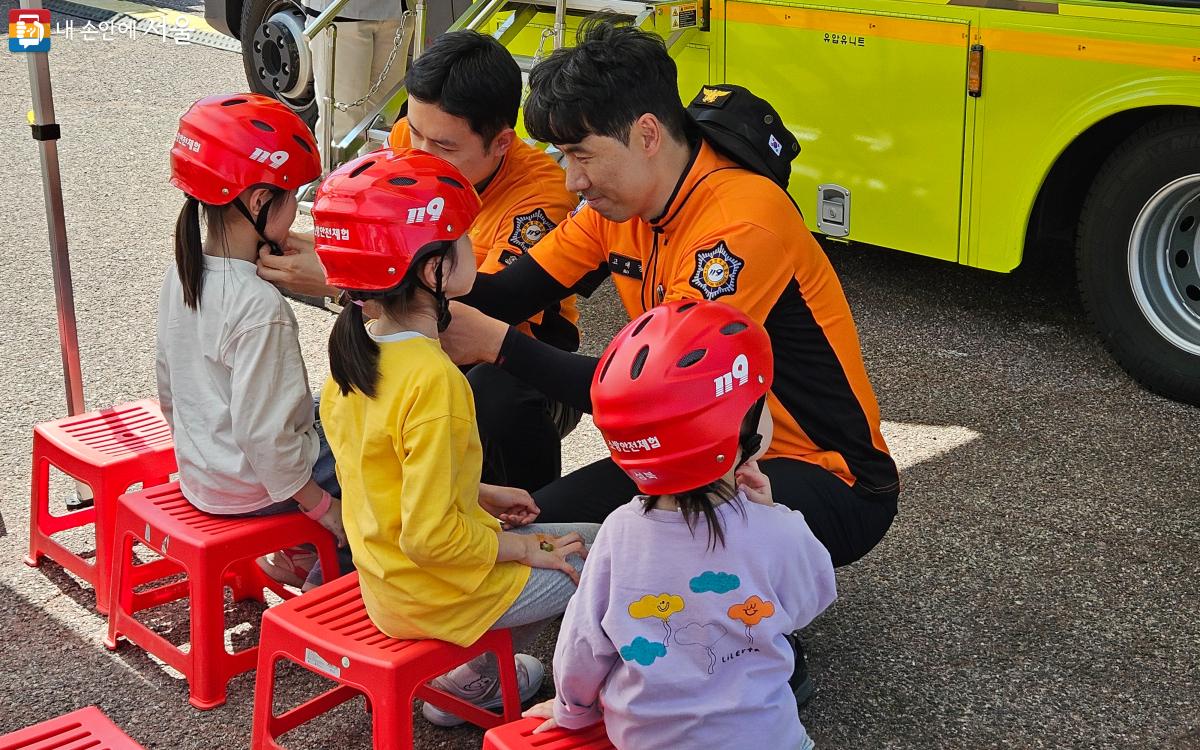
[(676, 644)]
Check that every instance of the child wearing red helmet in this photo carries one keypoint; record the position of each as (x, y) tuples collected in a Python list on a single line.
[(432, 556), (677, 636), (231, 379)]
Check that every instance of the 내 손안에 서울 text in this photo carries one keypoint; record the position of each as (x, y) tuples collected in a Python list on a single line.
[(107, 31)]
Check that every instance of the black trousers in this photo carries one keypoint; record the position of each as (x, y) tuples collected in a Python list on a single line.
[(848, 525), (519, 428)]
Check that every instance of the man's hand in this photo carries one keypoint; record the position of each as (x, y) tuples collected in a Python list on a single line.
[(472, 336), (298, 270), (754, 483), (511, 505), (543, 710)]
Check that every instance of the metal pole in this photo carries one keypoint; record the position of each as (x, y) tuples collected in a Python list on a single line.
[(419, 36), (560, 23), (45, 132)]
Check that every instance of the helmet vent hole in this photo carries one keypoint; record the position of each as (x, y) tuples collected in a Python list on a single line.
[(361, 168), (687, 306), (638, 329), (402, 181), (262, 126), (300, 142), (639, 362), (604, 370), (736, 326), (691, 357), (231, 102), (450, 181)]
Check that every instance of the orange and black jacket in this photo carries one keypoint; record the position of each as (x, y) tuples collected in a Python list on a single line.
[(522, 202), (731, 235)]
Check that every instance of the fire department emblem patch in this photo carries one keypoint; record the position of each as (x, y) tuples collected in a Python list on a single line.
[(529, 228), (716, 272)]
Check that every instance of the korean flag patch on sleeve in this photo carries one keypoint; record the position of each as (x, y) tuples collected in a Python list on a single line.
[(529, 228), (716, 271)]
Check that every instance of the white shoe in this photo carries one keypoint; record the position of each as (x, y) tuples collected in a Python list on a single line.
[(484, 692)]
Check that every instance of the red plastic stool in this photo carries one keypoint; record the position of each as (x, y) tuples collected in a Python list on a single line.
[(519, 736), (86, 728), (107, 450), (214, 551), (327, 631)]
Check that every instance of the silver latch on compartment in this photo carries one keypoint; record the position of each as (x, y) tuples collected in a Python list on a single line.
[(833, 210)]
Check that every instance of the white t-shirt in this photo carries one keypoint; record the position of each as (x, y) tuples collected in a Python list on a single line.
[(233, 387)]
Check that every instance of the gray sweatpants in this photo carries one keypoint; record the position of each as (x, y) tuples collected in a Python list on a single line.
[(544, 597)]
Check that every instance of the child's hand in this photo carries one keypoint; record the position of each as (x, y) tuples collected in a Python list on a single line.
[(543, 710), (332, 520), (551, 553), (754, 483), (513, 506)]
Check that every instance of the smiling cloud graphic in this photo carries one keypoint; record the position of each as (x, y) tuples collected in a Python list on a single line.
[(643, 651), (751, 612), (661, 606), (718, 583)]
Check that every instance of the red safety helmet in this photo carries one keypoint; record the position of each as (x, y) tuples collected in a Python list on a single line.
[(672, 389), (228, 143), (374, 215)]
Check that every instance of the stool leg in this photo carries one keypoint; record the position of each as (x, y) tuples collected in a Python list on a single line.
[(105, 503), (39, 505), (263, 733), (392, 724), (120, 591), (208, 658), (509, 687)]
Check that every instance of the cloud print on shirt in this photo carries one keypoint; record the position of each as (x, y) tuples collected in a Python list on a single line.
[(717, 583), (642, 651)]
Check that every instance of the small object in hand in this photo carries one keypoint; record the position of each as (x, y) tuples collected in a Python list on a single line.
[(546, 546)]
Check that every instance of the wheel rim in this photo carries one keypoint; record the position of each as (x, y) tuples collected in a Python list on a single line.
[(281, 57), (1164, 262)]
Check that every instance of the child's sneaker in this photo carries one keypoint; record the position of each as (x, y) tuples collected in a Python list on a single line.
[(289, 566), (484, 692)]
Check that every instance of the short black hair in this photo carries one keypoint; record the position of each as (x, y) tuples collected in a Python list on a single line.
[(472, 76), (614, 75)]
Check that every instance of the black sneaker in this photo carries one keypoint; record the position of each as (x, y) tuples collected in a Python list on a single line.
[(800, 683)]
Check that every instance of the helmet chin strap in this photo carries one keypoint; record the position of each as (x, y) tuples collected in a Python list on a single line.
[(439, 296), (749, 439), (260, 224)]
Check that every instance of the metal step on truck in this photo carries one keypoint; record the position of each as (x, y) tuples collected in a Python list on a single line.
[(964, 130)]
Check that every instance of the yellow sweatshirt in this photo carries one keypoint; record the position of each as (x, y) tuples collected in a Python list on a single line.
[(409, 461)]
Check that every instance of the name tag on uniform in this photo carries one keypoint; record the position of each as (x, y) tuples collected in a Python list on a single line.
[(625, 266)]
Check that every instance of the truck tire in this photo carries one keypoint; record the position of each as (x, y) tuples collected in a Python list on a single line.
[(1138, 255), (276, 58)]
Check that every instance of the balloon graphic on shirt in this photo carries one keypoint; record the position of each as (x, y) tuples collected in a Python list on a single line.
[(661, 606), (751, 612), (705, 636)]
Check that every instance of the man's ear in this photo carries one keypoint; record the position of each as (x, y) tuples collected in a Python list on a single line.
[(503, 142), (647, 134)]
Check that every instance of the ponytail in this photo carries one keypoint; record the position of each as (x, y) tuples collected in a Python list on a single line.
[(353, 354), (189, 253)]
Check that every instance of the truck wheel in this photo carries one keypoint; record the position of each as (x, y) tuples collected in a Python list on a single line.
[(1138, 257), (275, 55)]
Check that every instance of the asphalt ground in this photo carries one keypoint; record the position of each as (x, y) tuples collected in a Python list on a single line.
[(1039, 589)]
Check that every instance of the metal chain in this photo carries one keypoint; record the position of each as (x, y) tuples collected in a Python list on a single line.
[(396, 44), (537, 56)]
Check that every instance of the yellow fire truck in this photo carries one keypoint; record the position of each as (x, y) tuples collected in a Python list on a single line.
[(965, 130)]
